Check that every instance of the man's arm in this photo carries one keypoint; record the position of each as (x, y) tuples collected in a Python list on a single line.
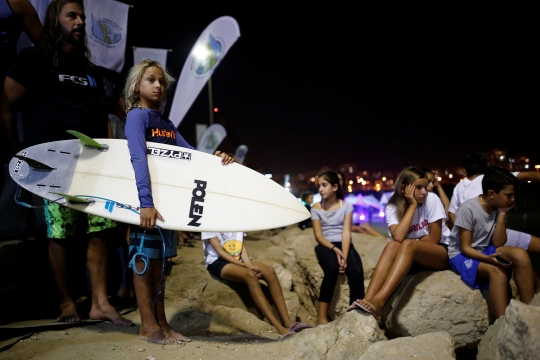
[(32, 25), (11, 95)]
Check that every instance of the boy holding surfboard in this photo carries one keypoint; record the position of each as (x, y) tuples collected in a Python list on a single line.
[(145, 95)]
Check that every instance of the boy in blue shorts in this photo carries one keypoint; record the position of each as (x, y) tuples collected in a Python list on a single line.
[(477, 240)]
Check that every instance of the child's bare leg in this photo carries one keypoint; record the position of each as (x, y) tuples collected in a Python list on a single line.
[(523, 271), (497, 287), (58, 255), (382, 268), (145, 289), (269, 275), (322, 315), (410, 251), (96, 263), (237, 273), (160, 309)]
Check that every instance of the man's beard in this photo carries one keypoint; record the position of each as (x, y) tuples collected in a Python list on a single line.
[(70, 38)]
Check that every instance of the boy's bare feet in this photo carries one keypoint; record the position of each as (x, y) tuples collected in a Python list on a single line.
[(68, 313), (175, 334), (108, 312), (157, 336)]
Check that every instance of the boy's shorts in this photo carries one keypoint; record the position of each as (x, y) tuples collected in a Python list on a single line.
[(62, 222), (153, 244), (517, 239), (468, 269)]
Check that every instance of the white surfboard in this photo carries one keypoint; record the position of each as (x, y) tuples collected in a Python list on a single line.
[(191, 189)]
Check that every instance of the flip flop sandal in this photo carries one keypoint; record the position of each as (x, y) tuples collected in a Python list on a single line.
[(299, 326)]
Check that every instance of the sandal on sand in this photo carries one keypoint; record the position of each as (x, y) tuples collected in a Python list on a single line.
[(299, 326), (370, 310)]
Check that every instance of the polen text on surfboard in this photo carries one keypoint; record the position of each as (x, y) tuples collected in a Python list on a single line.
[(196, 210)]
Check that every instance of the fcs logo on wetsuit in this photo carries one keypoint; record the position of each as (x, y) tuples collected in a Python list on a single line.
[(87, 81)]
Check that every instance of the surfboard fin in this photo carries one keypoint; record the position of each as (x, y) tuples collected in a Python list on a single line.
[(86, 140), (72, 198), (34, 163)]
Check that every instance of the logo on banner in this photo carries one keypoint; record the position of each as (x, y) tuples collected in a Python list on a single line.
[(211, 141), (208, 56), (106, 31)]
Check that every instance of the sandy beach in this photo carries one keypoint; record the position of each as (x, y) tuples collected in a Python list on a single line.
[(104, 340)]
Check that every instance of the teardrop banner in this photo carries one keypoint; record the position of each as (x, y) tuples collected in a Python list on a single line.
[(207, 53), (212, 137), (240, 153)]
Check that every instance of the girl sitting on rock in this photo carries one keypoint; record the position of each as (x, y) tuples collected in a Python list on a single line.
[(226, 258), (331, 220), (415, 219)]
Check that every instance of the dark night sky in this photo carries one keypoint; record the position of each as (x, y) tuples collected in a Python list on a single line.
[(382, 88)]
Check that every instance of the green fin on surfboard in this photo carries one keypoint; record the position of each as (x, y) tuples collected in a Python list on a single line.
[(72, 198), (86, 140)]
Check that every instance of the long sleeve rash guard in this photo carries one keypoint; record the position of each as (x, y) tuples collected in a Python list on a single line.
[(144, 125)]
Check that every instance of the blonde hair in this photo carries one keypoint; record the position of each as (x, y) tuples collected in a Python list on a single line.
[(407, 176), (131, 89)]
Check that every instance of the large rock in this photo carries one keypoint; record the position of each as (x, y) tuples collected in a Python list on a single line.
[(300, 259), (346, 338), (244, 321), (514, 335), (437, 301), (437, 345), (198, 290)]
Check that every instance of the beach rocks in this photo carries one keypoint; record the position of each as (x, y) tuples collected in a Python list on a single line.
[(514, 335), (196, 289), (436, 345), (299, 258), (437, 301), (346, 338)]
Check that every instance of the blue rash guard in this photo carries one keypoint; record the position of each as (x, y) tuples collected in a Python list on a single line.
[(144, 125)]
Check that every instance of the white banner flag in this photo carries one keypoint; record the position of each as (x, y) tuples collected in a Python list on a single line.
[(240, 153), (212, 137), (140, 53), (106, 27), (204, 57)]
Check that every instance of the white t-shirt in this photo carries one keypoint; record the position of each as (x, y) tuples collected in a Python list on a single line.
[(232, 243), (465, 190), (431, 211)]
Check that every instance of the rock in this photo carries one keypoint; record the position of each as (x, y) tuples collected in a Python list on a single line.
[(196, 288), (432, 301), (299, 258), (284, 276), (519, 332), (346, 338), (244, 321), (438, 345), (488, 348)]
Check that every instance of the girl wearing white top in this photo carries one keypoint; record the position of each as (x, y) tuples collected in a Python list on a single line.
[(332, 219), (415, 219)]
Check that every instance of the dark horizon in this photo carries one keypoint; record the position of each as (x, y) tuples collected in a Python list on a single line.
[(379, 89)]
